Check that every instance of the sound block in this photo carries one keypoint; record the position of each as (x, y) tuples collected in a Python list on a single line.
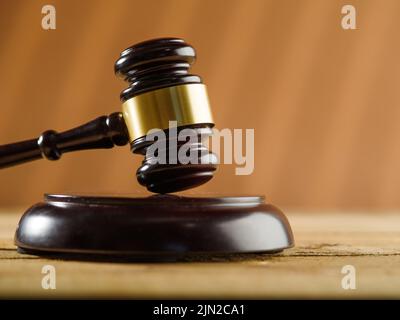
[(159, 227)]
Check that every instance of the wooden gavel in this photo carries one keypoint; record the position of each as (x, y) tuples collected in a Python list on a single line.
[(160, 90)]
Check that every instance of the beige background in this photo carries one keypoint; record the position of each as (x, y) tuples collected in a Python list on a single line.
[(324, 102)]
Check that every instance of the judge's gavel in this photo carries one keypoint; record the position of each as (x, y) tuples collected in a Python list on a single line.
[(160, 90)]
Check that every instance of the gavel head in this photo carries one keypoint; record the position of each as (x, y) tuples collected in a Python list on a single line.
[(163, 97)]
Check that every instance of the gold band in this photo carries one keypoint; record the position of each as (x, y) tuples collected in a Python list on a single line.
[(186, 104)]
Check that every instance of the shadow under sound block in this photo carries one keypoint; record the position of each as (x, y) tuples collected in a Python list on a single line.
[(156, 228)]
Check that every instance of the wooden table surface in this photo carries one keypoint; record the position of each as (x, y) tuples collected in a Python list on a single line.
[(325, 242)]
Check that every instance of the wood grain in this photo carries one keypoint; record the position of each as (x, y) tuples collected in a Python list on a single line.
[(325, 243), (324, 102)]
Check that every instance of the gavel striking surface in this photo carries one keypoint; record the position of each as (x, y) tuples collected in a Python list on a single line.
[(156, 227)]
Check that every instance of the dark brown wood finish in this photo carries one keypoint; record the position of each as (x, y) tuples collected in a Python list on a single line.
[(103, 132), (157, 227), (147, 66), (156, 64)]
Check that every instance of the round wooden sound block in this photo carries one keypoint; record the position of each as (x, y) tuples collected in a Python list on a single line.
[(159, 227)]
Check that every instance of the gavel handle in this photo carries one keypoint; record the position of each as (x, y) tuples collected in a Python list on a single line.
[(102, 132)]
